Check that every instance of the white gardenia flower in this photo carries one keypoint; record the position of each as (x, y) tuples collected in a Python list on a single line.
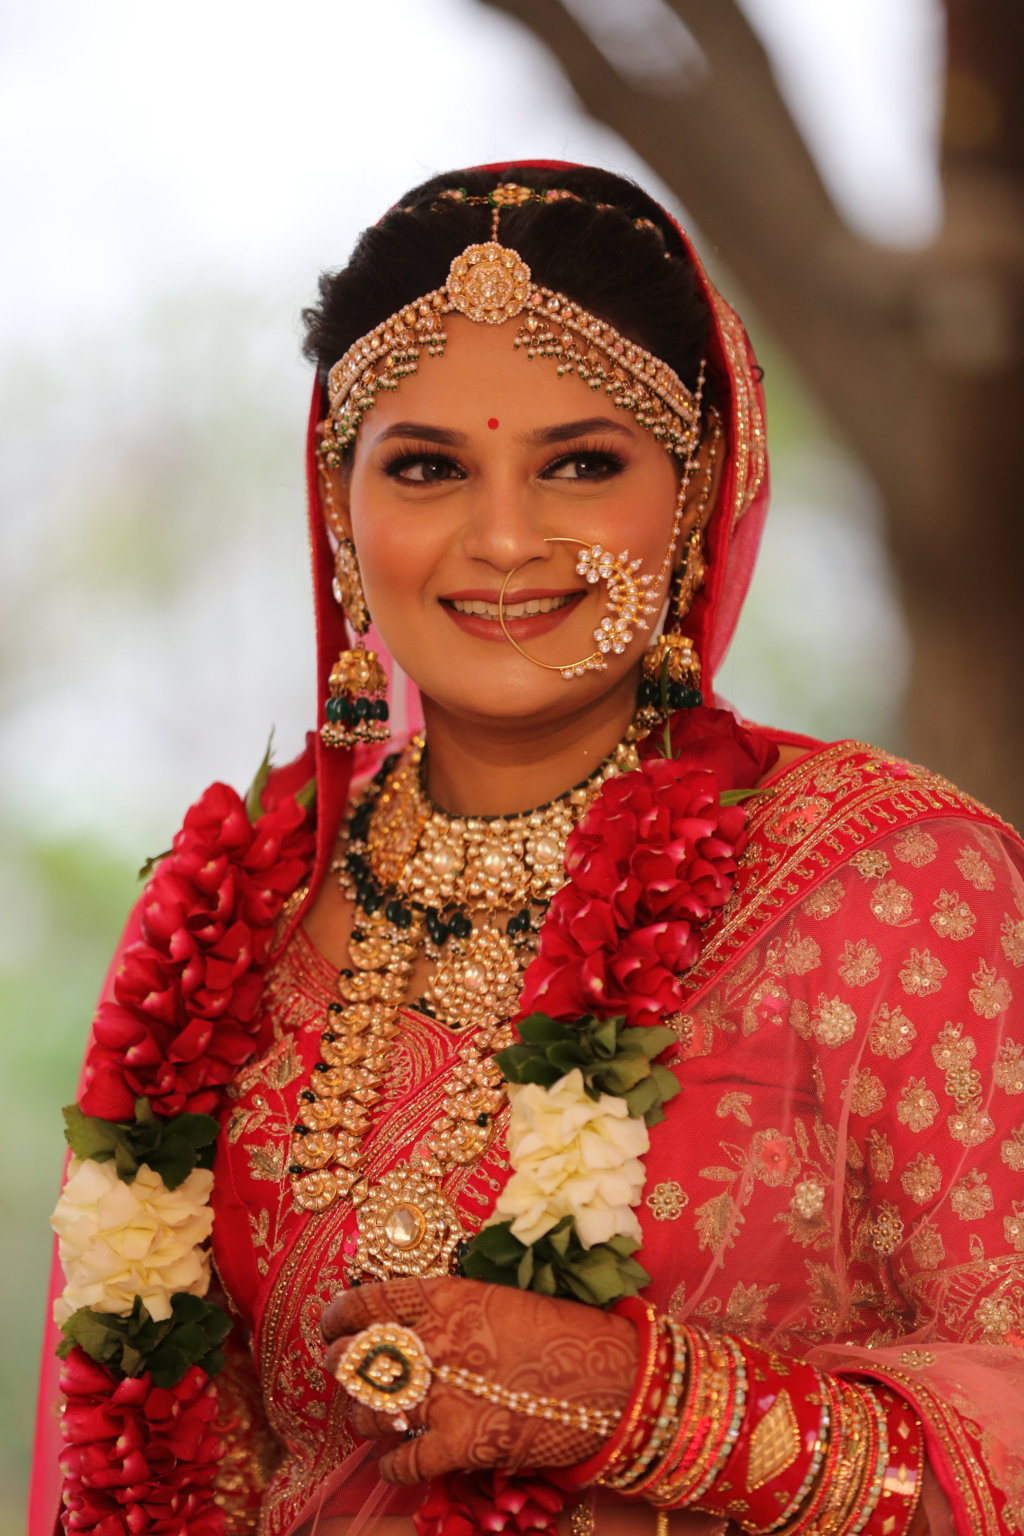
[(572, 1156), (119, 1241)]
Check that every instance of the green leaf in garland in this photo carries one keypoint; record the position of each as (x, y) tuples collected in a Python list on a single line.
[(129, 1346), (254, 798), (172, 1148), (611, 1057), (556, 1265)]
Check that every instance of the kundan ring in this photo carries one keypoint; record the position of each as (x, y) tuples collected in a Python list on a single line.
[(386, 1368)]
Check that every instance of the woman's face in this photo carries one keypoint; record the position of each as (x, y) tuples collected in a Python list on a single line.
[(463, 474)]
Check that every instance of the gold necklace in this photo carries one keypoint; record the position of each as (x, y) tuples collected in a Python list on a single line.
[(423, 881)]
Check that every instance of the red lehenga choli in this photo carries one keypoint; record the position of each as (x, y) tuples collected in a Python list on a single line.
[(840, 1176)]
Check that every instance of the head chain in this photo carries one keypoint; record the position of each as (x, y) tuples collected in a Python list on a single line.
[(490, 284)]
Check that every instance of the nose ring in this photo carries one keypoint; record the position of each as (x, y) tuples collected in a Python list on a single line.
[(630, 600)]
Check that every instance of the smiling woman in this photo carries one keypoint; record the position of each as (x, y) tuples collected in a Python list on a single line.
[(610, 1096)]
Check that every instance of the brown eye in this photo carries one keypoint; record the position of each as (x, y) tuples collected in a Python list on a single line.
[(423, 468), (585, 466)]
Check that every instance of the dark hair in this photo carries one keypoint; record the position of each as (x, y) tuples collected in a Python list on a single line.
[(639, 279)]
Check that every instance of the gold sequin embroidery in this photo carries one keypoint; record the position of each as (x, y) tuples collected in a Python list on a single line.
[(990, 994), (860, 963), (1012, 940), (891, 1033), (922, 1178), (916, 847), (872, 863), (667, 1201), (971, 1197), (918, 1106), (923, 974), (976, 870), (952, 918), (892, 903)]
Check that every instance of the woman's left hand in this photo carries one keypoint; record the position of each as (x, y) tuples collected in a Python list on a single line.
[(516, 1339)]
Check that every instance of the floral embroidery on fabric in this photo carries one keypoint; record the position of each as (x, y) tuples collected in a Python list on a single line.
[(971, 1198), (891, 1033), (990, 994), (886, 1229), (892, 903), (868, 1094), (922, 1178), (923, 974), (952, 918), (872, 863), (1008, 1072), (971, 1125), (976, 870), (860, 963), (918, 1106), (1012, 940), (1012, 1150), (800, 955), (880, 1153), (1013, 1226), (916, 847), (833, 1021), (734, 1104), (927, 1246), (825, 902), (775, 1157)]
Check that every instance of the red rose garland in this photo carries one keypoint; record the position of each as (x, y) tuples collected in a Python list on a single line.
[(656, 854), (141, 1450)]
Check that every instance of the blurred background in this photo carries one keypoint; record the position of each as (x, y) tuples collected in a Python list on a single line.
[(173, 180)]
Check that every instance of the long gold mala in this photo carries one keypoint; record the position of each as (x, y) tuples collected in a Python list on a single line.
[(469, 894)]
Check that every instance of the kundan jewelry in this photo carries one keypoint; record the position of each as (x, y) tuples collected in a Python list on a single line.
[(356, 708), (386, 1368), (489, 284), (469, 894)]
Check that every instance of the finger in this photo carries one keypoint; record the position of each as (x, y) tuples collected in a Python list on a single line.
[(372, 1425), (356, 1309), (418, 1460)]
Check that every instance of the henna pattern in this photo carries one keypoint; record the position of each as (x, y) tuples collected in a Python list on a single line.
[(516, 1339)]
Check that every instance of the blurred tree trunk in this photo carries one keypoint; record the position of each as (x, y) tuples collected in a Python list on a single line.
[(916, 355)]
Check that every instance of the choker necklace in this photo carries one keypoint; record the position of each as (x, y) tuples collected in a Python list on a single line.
[(469, 894)]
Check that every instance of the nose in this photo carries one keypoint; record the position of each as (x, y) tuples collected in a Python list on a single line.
[(504, 525)]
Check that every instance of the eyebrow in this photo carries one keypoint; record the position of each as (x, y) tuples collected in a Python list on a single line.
[(543, 437)]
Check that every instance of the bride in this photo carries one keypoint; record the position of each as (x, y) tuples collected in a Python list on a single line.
[(613, 1102)]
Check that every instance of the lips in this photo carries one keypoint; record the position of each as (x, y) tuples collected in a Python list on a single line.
[(528, 614)]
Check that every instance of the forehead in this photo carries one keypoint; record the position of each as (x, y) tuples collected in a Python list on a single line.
[(481, 376)]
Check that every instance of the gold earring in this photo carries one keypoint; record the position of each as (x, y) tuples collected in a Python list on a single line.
[(356, 708)]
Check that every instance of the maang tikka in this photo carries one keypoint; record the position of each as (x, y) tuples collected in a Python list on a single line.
[(356, 706)]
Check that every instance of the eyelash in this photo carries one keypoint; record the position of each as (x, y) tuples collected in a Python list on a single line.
[(400, 459)]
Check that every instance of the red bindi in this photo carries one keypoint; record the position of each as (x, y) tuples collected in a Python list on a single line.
[(493, 422)]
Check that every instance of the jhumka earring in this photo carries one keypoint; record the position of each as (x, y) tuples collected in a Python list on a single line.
[(357, 706), (671, 669)]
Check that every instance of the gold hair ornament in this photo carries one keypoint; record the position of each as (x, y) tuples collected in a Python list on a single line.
[(386, 1368), (489, 284)]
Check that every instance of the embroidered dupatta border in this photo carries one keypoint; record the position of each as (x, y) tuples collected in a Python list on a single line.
[(825, 808)]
